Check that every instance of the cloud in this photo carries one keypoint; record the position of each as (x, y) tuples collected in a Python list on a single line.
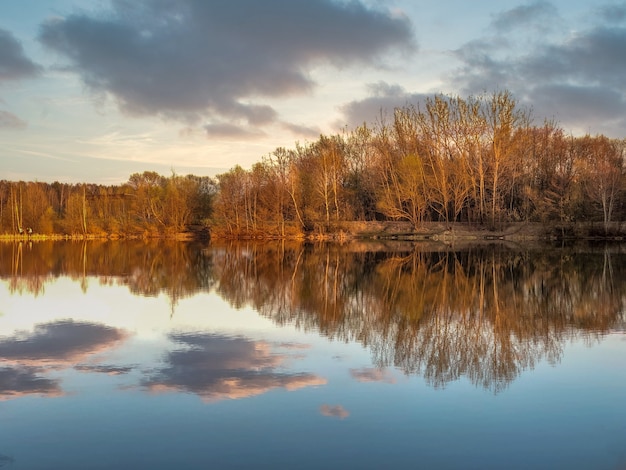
[(10, 121), (372, 375), (615, 13), (596, 56), (103, 369), (218, 367), (383, 99), (228, 130), (20, 381), (538, 16), (14, 64), (581, 104), (575, 76), (59, 343), (304, 131), (334, 411), (193, 59)]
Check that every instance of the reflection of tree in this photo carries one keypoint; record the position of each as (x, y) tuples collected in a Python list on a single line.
[(484, 313), (147, 267)]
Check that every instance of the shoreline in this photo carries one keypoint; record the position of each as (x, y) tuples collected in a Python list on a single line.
[(401, 231)]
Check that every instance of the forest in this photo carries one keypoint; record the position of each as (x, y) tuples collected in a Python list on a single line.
[(477, 160)]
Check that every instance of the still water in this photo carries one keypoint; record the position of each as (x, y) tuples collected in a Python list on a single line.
[(119, 355)]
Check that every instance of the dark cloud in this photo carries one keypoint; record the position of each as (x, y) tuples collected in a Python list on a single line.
[(14, 65), (334, 411), (191, 59), (10, 121), (594, 57), (61, 341), (383, 99), (582, 103), (218, 367), (19, 381), (576, 77)]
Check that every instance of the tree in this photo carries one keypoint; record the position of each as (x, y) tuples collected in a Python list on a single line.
[(503, 118), (232, 201), (603, 165)]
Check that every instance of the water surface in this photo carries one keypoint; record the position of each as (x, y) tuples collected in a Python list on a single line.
[(279, 355)]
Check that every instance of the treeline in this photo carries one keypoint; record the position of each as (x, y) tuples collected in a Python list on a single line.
[(477, 160), (148, 204)]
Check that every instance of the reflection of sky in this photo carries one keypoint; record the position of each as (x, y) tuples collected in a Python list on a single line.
[(348, 414), (146, 316)]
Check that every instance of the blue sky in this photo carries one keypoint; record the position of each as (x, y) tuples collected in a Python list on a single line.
[(97, 90)]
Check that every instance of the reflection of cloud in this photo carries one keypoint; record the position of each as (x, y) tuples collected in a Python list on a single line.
[(218, 367), (5, 460), (294, 346), (369, 374), (20, 381), (334, 411), (59, 342)]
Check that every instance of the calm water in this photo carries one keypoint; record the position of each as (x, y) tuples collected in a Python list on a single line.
[(120, 355)]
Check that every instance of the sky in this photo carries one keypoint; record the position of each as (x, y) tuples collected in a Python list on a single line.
[(96, 90)]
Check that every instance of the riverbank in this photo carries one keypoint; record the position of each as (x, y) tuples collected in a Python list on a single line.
[(436, 231), (388, 230)]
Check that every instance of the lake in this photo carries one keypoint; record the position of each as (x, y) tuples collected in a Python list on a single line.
[(164, 355)]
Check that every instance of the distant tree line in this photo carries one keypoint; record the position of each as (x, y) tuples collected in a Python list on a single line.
[(148, 204), (476, 160)]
